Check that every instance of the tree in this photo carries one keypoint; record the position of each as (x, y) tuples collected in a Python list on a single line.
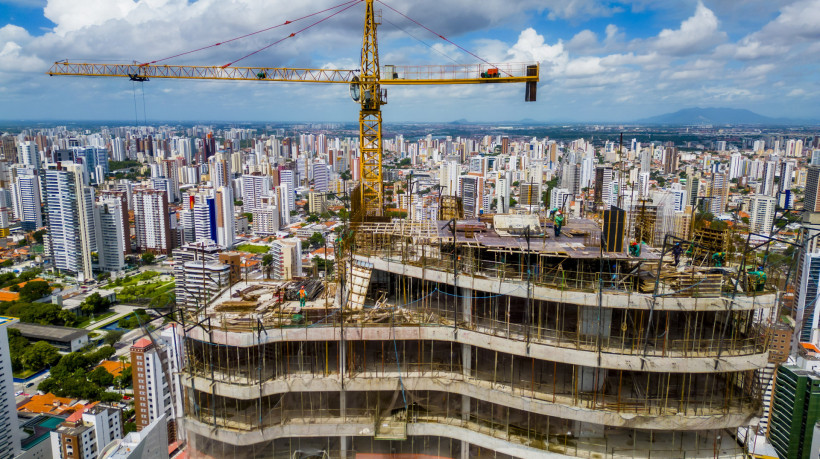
[(101, 377), (345, 175), (238, 203), (148, 258), (95, 303), (38, 236), (513, 202), (67, 317), (39, 355), (39, 313), (110, 397), (317, 240), (113, 337), (267, 263), (249, 216), (312, 218)]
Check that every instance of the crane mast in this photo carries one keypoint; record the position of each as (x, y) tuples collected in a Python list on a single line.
[(370, 120)]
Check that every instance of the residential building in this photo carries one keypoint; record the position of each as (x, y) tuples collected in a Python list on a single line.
[(28, 154), (287, 259), (151, 221), (266, 219), (71, 224), (808, 314), (9, 430), (155, 365), (110, 239), (149, 443), (471, 190), (122, 197), (321, 176), (27, 203), (761, 213), (202, 252), (254, 187), (225, 218), (317, 202), (795, 411), (86, 432), (811, 200)]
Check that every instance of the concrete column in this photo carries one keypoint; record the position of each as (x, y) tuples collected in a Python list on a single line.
[(343, 441), (594, 322), (466, 363)]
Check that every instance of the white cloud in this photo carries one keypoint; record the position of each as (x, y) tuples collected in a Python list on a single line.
[(584, 41), (696, 34)]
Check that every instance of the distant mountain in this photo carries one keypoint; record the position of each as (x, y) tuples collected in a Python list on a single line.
[(715, 115)]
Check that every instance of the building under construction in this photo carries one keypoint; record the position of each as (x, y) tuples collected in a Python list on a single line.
[(488, 338)]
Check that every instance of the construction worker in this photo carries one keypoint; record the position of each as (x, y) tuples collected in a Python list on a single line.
[(719, 258), (676, 251), (558, 222), (757, 279), (302, 296), (634, 248)]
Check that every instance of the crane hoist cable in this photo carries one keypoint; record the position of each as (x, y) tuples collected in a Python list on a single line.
[(288, 22), (439, 35), (291, 35)]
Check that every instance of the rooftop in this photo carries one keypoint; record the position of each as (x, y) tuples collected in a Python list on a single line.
[(49, 403), (7, 320), (49, 332)]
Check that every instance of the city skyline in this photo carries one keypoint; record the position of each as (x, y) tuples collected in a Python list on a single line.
[(600, 61)]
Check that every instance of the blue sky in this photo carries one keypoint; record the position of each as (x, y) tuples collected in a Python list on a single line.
[(600, 60)]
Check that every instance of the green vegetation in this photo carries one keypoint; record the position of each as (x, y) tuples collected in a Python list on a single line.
[(148, 258), (312, 218), (249, 216), (238, 203), (85, 322), (74, 376), (134, 320), (316, 240), (257, 249), (267, 262), (322, 264), (118, 165), (29, 358), (157, 293), (404, 162), (113, 337), (9, 279)]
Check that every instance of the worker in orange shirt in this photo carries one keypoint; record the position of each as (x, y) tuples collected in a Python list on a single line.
[(302, 296)]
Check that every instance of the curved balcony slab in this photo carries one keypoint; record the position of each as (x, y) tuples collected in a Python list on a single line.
[(559, 406), (542, 350), (473, 433), (611, 299)]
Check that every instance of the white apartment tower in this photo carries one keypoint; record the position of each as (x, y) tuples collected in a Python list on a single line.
[(110, 238), (70, 219), (26, 197), (9, 428), (225, 218), (761, 213), (254, 187), (151, 220)]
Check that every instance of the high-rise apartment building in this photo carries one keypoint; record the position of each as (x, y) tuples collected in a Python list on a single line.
[(287, 259), (811, 200), (72, 233), (321, 176), (110, 239), (155, 365), (769, 172), (28, 154), (670, 161), (254, 188), (27, 202), (225, 218), (471, 191), (151, 220), (795, 411), (761, 213), (266, 219), (122, 197), (9, 427)]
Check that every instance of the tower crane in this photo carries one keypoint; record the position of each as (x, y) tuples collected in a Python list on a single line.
[(365, 88)]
